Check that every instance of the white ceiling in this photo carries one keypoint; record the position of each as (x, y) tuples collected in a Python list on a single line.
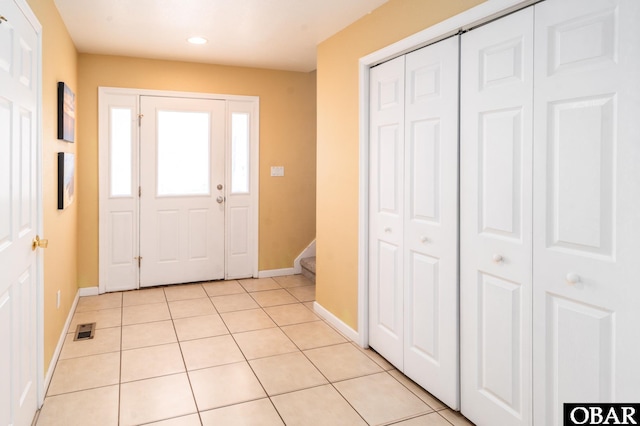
[(276, 34)]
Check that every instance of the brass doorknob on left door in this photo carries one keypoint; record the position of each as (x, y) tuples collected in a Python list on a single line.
[(37, 242)]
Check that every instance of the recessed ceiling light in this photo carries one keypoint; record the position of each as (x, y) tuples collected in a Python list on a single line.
[(197, 40)]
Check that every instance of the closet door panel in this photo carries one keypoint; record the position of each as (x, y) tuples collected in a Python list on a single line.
[(431, 219), (499, 340), (386, 210), (500, 173), (586, 204), (578, 333), (495, 220), (424, 170), (580, 156), (423, 322)]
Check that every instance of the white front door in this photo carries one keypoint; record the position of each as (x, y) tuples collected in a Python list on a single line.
[(413, 216), (495, 220), (19, 56), (182, 202), (586, 249)]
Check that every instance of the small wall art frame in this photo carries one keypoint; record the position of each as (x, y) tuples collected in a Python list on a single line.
[(66, 171), (66, 113)]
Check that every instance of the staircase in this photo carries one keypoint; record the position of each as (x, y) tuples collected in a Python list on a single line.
[(308, 265)]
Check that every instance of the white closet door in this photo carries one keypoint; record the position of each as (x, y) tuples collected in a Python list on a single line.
[(495, 220), (413, 266), (386, 210), (586, 204), (430, 247)]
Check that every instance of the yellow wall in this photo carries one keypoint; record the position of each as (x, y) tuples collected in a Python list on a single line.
[(287, 138), (338, 153), (59, 63)]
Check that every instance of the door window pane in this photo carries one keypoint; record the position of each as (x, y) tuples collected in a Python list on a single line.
[(183, 153), (239, 153), (120, 144)]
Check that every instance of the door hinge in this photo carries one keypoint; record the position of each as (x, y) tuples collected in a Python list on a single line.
[(140, 119), (139, 258), (139, 191)]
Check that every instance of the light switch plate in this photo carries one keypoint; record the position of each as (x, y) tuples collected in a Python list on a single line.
[(277, 170)]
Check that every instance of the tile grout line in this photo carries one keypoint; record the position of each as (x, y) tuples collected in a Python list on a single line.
[(333, 386), (253, 371), (263, 309), (329, 382), (299, 390), (435, 410), (270, 397), (260, 307), (120, 366), (184, 362), (383, 370)]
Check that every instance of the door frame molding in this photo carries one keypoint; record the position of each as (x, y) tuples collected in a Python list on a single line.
[(478, 15), (254, 165)]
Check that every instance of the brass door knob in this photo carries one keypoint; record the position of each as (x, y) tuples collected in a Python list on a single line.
[(37, 242)]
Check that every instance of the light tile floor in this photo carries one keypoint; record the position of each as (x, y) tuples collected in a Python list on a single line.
[(247, 352)]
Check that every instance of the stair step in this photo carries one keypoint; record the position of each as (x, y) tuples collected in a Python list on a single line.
[(309, 267)]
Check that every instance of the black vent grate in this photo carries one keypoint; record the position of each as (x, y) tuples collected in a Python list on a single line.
[(85, 331)]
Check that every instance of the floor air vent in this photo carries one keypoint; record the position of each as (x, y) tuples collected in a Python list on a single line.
[(85, 331)]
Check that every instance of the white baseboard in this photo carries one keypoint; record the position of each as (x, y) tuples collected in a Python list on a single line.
[(275, 272), (343, 328), (88, 291), (310, 251), (63, 335)]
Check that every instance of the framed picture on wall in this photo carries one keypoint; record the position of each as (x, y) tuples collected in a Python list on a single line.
[(66, 170), (66, 113)]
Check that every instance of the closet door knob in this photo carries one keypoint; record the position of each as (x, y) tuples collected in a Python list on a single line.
[(423, 239), (497, 258), (387, 229), (572, 278)]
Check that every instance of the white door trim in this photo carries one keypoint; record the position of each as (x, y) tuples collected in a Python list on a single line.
[(254, 166), (475, 16), (175, 94)]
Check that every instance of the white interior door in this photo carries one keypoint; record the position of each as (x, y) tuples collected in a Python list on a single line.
[(413, 237), (495, 220), (19, 56), (430, 244), (182, 204), (386, 211), (586, 204)]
